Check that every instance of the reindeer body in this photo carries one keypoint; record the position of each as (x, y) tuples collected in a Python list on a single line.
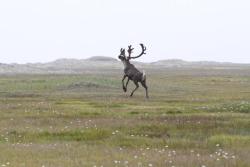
[(131, 72)]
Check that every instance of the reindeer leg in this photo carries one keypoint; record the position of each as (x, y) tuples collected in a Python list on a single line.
[(127, 85), (124, 88), (143, 83), (137, 86)]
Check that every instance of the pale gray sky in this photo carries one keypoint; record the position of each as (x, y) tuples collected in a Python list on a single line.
[(45, 30)]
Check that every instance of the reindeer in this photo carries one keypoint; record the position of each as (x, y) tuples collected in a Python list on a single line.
[(130, 71)]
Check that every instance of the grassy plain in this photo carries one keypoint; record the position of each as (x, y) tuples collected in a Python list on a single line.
[(194, 118)]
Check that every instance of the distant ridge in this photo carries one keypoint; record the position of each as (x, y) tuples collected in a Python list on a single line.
[(101, 58), (180, 61), (103, 63), (183, 63), (173, 62)]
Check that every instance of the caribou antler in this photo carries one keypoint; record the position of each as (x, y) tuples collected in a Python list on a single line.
[(142, 53), (130, 50)]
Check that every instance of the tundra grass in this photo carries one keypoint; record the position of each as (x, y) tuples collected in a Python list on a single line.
[(193, 118)]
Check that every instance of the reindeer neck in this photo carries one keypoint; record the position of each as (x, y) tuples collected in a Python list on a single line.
[(126, 63)]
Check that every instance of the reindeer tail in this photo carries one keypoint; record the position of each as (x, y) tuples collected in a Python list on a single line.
[(143, 76)]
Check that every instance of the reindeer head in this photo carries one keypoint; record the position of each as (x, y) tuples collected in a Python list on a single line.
[(123, 57)]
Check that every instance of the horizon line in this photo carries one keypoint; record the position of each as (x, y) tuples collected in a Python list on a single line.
[(147, 62)]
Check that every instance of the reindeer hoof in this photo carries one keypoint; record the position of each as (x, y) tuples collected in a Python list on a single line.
[(124, 89)]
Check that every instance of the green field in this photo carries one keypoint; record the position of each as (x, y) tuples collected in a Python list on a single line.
[(194, 118)]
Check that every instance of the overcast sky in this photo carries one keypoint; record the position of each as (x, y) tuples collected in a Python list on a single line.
[(45, 30)]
